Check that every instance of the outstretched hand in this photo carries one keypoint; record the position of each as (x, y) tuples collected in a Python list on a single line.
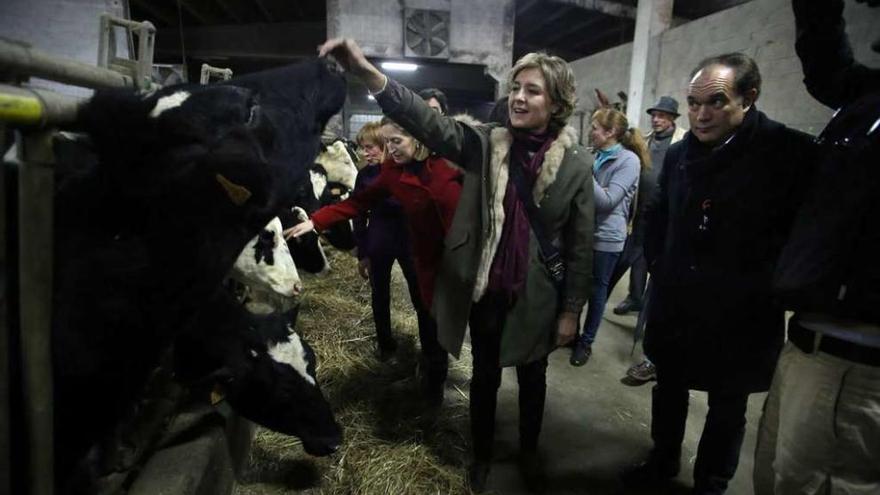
[(350, 56), (299, 229)]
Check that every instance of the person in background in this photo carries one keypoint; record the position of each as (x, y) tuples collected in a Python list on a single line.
[(820, 431), (382, 238), (664, 132), (427, 189), (727, 197), (435, 99), (621, 154), (518, 291)]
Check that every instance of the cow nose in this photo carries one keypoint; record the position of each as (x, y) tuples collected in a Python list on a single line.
[(297, 289)]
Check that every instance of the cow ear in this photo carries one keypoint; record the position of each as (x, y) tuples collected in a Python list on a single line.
[(218, 394), (237, 194)]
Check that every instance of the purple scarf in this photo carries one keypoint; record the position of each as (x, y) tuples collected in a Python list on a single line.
[(510, 266)]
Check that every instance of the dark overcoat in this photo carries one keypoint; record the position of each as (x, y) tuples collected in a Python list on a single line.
[(714, 234)]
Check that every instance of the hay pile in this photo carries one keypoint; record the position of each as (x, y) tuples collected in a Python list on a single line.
[(393, 445)]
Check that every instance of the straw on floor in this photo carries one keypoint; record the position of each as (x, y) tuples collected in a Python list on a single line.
[(393, 444)]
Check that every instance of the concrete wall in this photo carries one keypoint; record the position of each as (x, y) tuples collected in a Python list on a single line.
[(763, 29), (67, 28), (479, 32)]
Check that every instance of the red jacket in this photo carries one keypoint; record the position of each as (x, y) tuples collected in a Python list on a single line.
[(428, 200)]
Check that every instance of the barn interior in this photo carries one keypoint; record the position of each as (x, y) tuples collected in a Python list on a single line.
[(54, 54)]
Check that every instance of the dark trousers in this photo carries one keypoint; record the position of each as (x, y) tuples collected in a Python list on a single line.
[(486, 324), (633, 259), (434, 358), (603, 267), (718, 451)]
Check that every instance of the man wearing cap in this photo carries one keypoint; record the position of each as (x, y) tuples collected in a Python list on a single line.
[(664, 133)]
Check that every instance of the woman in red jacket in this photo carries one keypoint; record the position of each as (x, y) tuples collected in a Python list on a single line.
[(427, 188)]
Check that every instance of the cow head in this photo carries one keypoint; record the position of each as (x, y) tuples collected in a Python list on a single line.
[(338, 163), (262, 368), (306, 249), (217, 151), (332, 178), (280, 391), (267, 268)]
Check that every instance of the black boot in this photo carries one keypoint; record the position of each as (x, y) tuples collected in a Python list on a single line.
[(532, 470), (627, 305), (655, 470)]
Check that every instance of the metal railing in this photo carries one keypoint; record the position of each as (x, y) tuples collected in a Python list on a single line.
[(34, 115), (210, 72)]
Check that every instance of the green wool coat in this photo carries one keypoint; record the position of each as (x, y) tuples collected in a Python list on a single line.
[(563, 192)]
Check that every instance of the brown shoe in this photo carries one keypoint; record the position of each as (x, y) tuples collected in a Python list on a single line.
[(642, 372)]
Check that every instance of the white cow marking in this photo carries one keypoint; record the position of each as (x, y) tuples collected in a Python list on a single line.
[(338, 164), (292, 354), (280, 278), (164, 103), (319, 183)]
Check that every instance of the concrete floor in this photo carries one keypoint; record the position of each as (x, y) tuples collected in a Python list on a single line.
[(594, 425)]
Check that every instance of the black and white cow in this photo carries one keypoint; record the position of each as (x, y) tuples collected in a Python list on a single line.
[(145, 234), (268, 270), (333, 176), (306, 249), (264, 369)]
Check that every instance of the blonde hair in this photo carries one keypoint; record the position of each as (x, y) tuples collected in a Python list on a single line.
[(371, 132), (421, 151), (560, 83), (629, 137)]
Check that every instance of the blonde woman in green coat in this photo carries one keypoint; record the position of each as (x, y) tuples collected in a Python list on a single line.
[(493, 276)]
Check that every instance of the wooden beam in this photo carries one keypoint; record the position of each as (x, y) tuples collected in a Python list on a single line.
[(281, 40), (229, 11), (201, 11), (157, 12), (601, 40), (536, 26), (576, 28), (602, 6), (524, 6)]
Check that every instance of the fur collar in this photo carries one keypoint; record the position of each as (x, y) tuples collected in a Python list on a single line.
[(500, 140)]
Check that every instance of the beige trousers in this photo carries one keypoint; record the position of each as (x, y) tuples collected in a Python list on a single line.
[(820, 432)]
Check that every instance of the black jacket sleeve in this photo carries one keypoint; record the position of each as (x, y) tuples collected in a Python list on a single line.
[(831, 74)]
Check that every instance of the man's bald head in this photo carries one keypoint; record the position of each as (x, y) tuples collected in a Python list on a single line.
[(722, 89)]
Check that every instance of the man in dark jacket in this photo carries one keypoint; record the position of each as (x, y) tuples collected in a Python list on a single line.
[(726, 199), (820, 432)]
